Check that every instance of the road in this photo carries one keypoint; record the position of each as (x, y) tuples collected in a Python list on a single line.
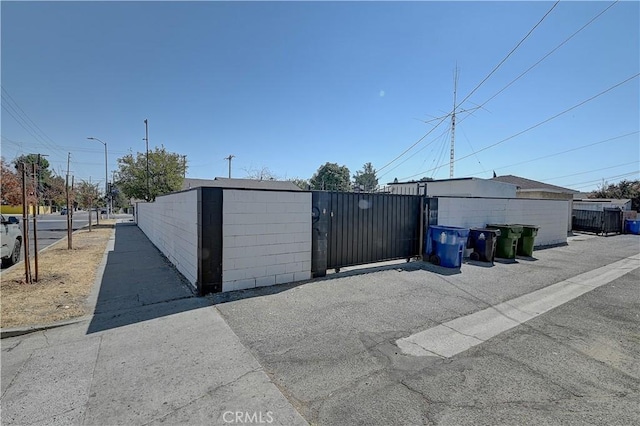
[(53, 227)]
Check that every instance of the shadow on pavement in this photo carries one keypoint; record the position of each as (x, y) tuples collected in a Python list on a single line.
[(419, 265), (139, 284)]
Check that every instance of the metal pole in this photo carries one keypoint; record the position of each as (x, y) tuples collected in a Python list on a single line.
[(25, 226), (90, 202), (106, 175), (146, 138), (106, 180)]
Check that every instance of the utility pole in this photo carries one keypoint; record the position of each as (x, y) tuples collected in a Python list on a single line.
[(25, 226), (184, 166), (453, 124), (230, 157), (146, 138)]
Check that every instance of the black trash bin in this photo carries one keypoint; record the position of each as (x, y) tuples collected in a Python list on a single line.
[(483, 242)]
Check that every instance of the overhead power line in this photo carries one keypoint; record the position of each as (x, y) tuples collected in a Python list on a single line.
[(547, 55), (591, 171), (17, 113), (416, 143), (560, 153), (524, 72), (447, 130), (591, 182), (473, 91), (510, 53), (542, 122)]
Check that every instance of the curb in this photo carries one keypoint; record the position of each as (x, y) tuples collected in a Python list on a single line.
[(13, 332), (45, 249), (91, 299)]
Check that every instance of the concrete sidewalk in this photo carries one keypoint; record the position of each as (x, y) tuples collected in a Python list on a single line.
[(152, 353)]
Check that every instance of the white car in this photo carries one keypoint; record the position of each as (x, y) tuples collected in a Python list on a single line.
[(11, 238)]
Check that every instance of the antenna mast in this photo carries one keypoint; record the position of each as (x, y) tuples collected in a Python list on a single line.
[(453, 124)]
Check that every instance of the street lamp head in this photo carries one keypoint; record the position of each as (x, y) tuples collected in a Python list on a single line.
[(97, 139)]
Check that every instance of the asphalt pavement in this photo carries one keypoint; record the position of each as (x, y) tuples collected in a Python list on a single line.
[(53, 227), (151, 353), (331, 345), (326, 351)]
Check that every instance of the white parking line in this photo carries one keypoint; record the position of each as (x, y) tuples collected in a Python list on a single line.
[(460, 334)]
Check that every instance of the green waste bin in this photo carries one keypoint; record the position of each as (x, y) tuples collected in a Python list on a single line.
[(526, 240), (507, 245)]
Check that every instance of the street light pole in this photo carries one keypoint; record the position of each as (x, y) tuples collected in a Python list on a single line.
[(146, 138), (106, 175)]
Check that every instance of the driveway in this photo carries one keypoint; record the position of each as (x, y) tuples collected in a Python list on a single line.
[(331, 345)]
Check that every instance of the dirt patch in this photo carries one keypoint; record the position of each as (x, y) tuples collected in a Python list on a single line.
[(65, 281)]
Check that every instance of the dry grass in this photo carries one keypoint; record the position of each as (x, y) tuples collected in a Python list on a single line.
[(65, 281)]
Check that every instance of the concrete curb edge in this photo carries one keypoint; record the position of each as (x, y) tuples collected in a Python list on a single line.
[(91, 299)]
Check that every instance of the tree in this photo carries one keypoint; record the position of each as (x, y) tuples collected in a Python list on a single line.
[(623, 189), (300, 183), (119, 199), (10, 185), (87, 194), (54, 191), (331, 177), (38, 160), (260, 174), (166, 174), (366, 178)]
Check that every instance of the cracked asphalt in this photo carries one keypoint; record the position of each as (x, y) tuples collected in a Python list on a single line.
[(324, 352), (151, 354), (329, 345)]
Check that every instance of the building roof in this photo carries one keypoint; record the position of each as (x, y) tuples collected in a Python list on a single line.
[(605, 200), (532, 185), (434, 180), (274, 185)]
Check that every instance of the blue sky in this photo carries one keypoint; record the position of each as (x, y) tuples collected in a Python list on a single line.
[(292, 85)]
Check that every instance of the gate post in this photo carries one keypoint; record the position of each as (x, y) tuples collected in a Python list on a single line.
[(320, 208)]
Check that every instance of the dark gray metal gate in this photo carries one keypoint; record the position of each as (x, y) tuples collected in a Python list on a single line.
[(605, 221), (358, 228)]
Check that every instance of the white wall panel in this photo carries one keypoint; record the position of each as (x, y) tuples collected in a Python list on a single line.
[(171, 224), (550, 215), (266, 238)]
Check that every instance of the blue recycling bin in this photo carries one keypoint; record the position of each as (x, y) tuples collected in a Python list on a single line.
[(632, 226), (444, 245)]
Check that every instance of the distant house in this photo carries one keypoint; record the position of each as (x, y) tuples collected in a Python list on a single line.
[(219, 182), (458, 187), (528, 188)]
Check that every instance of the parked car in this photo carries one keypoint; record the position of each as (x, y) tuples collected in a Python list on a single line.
[(63, 211), (11, 239)]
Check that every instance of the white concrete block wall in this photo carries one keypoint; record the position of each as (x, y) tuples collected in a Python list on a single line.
[(171, 223), (266, 238), (474, 187), (550, 215)]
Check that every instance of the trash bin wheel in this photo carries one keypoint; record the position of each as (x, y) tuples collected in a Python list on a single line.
[(435, 259), (474, 256), (337, 270)]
